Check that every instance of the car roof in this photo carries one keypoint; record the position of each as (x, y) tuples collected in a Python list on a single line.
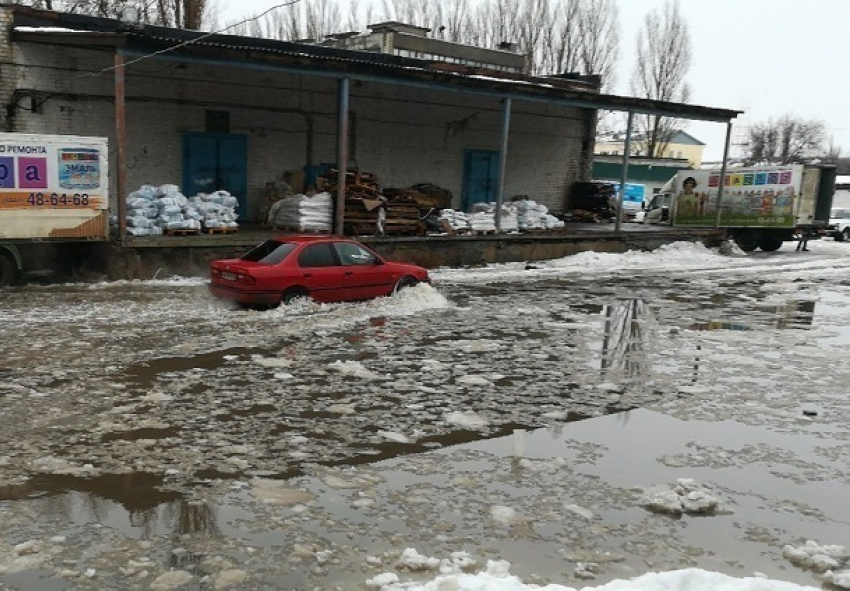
[(310, 238)]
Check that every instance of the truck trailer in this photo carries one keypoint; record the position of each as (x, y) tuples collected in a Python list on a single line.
[(53, 190), (759, 207)]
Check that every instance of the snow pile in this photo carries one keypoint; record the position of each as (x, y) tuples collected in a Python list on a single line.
[(686, 497), (535, 216), (497, 577), (151, 210), (302, 213), (818, 558)]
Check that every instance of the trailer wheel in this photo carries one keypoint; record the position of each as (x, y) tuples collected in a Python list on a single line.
[(770, 243), (747, 241), (8, 273)]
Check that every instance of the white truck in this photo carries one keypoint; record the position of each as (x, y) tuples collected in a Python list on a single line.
[(760, 207), (53, 189)]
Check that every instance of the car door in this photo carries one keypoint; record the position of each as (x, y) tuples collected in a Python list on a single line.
[(321, 272), (364, 274)]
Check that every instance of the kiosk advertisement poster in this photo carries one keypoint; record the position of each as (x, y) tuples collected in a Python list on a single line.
[(762, 197)]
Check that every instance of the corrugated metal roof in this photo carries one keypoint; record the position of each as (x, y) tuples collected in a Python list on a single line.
[(252, 52)]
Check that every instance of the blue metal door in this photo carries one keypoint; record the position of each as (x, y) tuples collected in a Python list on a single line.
[(480, 177), (216, 162)]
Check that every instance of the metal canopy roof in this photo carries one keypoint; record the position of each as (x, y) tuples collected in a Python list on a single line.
[(37, 26)]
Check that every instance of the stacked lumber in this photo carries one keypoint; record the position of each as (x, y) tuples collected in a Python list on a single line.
[(363, 200), (403, 219), (369, 210), (364, 216)]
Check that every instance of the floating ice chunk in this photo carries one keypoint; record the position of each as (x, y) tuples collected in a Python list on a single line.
[(474, 380), (232, 578), (283, 376), (275, 492), (272, 362), (342, 409), (354, 369), (29, 547), (839, 578), (467, 419), (413, 560), (458, 562), (503, 515), (394, 436), (171, 580), (382, 580), (816, 557), (586, 513), (686, 497)]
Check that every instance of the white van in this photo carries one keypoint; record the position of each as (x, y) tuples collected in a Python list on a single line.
[(658, 210)]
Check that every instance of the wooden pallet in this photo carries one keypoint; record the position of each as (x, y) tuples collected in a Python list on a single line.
[(220, 230), (181, 232)]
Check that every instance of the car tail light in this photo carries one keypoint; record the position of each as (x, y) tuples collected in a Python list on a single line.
[(247, 279)]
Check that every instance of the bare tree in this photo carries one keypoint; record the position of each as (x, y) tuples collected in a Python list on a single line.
[(600, 39), (788, 140), (560, 46), (663, 60), (180, 14)]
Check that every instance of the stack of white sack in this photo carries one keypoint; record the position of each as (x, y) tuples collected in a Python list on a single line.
[(482, 221), (458, 220), (175, 211), (302, 213), (142, 211), (535, 216), (483, 213), (153, 210), (216, 210)]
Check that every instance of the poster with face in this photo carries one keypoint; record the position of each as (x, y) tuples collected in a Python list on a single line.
[(750, 197)]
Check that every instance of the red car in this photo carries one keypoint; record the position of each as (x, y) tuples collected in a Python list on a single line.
[(324, 268)]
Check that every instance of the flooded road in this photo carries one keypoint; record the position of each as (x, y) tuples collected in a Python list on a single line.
[(155, 438)]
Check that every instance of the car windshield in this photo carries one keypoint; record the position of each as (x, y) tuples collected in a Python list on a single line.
[(840, 213), (270, 252)]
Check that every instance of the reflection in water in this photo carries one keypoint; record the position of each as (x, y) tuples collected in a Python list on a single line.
[(793, 314), (133, 502), (623, 350), (788, 315)]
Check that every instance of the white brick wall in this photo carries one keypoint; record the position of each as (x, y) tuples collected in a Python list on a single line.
[(404, 135)]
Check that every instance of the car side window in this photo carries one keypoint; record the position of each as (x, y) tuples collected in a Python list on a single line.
[(354, 254), (317, 255)]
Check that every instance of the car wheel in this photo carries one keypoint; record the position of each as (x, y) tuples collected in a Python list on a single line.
[(290, 295), (404, 283), (845, 235)]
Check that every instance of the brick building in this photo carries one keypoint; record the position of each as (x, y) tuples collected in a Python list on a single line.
[(213, 111)]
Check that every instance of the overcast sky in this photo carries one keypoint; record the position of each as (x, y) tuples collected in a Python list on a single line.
[(764, 57)]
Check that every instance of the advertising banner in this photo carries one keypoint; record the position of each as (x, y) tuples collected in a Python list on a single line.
[(763, 197), (53, 186)]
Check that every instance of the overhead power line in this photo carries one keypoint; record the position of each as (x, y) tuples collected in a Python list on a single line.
[(195, 40)]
